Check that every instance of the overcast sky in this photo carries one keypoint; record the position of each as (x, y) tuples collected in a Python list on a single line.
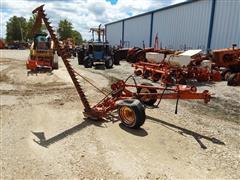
[(82, 13)]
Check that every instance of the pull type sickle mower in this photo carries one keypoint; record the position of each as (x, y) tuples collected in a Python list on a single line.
[(130, 105)]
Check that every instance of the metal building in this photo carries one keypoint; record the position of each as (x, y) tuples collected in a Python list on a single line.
[(204, 24)]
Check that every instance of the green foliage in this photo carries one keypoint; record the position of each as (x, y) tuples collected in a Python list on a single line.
[(77, 37), (65, 30), (30, 24), (20, 29), (16, 29)]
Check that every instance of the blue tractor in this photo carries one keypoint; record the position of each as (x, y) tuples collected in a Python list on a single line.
[(98, 52)]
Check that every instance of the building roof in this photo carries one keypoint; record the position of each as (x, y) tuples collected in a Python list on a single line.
[(156, 10)]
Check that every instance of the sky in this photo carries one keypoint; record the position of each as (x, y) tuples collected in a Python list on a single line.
[(83, 14)]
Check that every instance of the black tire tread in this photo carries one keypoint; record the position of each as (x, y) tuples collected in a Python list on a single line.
[(151, 101)]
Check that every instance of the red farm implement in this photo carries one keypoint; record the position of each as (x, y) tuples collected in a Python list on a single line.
[(129, 103)]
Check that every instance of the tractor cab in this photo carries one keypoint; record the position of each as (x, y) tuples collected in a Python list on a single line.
[(98, 51), (42, 55), (41, 42)]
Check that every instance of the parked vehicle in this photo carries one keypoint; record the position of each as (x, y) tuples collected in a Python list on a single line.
[(229, 60), (96, 52), (42, 54)]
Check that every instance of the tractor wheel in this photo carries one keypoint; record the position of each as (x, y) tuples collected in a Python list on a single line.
[(116, 57), (224, 72), (233, 80), (227, 75), (80, 56), (80, 60), (140, 56), (146, 100), (55, 61), (109, 62), (87, 62), (132, 113)]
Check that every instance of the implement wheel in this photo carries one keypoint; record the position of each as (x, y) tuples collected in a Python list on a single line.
[(146, 100), (132, 113)]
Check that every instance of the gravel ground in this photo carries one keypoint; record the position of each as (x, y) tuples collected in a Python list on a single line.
[(200, 142)]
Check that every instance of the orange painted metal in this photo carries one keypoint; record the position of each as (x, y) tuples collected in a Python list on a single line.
[(120, 89), (165, 73)]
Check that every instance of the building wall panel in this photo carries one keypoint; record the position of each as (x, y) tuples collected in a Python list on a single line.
[(226, 24), (137, 30), (114, 33), (184, 26)]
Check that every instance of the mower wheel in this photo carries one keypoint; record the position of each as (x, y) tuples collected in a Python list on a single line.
[(109, 62), (87, 62), (132, 113), (146, 100)]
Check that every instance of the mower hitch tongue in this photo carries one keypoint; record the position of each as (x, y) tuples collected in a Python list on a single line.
[(130, 105)]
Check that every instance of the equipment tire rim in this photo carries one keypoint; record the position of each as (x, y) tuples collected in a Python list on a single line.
[(127, 115), (144, 98)]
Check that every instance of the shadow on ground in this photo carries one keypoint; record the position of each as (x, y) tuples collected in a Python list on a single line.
[(183, 131), (137, 132), (42, 141)]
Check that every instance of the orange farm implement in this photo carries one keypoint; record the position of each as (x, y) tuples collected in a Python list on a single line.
[(167, 74), (130, 105)]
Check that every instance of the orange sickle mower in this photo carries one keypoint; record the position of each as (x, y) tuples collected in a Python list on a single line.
[(130, 104)]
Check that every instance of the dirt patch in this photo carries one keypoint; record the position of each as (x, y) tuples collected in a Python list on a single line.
[(201, 141)]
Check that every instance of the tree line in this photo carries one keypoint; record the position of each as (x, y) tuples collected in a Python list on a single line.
[(20, 29)]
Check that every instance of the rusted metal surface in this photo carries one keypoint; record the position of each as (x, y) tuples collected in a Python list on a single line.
[(226, 57)]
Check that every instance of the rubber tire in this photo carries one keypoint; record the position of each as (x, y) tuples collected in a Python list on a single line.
[(108, 62), (224, 72), (227, 75), (156, 77), (232, 81), (55, 61), (116, 58), (150, 102), (146, 74), (87, 62), (140, 56), (80, 60), (138, 108)]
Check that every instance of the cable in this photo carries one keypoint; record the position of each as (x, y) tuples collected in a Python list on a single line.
[(162, 95), (90, 83)]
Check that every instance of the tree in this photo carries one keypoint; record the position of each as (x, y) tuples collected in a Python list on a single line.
[(16, 29), (30, 24), (77, 37), (65, 29), (19, 29)]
